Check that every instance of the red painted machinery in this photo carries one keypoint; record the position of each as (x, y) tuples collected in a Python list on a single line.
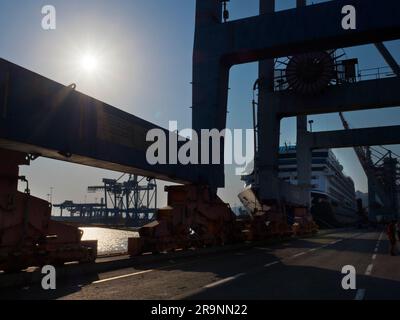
[(265, 225), (304, 223), (194, 217), (197, 217), (270, 220), (28, 236)]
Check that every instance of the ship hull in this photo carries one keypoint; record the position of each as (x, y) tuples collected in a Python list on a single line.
[(327, 213)]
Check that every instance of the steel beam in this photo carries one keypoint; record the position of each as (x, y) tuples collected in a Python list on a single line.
[(268, 127), (390, 60), (363, 95), (42, 117), (303, 152), (312, 28), (355, 137)]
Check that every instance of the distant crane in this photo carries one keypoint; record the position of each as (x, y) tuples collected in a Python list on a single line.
[(130, 198), (383, 176), (132, 202)]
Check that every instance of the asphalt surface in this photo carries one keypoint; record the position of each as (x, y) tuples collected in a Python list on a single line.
[(300, 269)]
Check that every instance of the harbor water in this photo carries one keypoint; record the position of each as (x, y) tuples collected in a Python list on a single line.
[(110, 241)]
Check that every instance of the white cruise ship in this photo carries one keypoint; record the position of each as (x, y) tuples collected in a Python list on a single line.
[(333, 193)]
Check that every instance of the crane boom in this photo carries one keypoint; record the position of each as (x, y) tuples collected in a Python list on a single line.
[(364, 156)]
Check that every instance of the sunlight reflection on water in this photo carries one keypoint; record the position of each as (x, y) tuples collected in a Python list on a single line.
[(109, 240)]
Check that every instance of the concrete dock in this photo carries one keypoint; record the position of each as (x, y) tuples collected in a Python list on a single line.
[(307, 268)]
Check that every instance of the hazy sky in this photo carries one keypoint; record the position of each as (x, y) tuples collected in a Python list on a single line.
[(144, 51)]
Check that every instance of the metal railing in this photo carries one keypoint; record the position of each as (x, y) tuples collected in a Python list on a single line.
[(375, 73), (281, 84)]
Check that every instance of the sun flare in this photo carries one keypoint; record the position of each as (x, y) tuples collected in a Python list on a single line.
[(89, 62)]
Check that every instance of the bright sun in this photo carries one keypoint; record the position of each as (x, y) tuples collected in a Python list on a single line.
[(89, 62)]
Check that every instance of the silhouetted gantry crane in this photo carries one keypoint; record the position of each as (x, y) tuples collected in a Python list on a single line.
[(129, 203), (381, 167)]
